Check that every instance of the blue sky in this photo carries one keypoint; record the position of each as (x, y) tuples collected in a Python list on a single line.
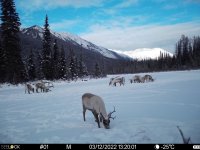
[(117, 24)]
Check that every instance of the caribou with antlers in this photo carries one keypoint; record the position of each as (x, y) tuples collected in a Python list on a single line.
[(96, 105)]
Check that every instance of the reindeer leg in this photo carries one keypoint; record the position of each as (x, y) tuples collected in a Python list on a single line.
[(101, 119), (96, 118), (84, 110)]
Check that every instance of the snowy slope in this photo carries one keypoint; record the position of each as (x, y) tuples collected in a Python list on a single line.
[(145, 113), (88, 45), (144, 53), (37, 32)]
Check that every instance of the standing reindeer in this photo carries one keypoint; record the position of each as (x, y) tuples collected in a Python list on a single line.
[(28, 88), (96, 105), (41, 86)]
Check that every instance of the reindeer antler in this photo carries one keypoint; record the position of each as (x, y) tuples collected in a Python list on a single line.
[(109, 115)]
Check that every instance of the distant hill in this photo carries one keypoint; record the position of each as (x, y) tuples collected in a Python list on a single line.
[(144, 53)]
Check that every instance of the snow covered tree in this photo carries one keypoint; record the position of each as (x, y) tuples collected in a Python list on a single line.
[(185, 49), (76, 67), (82, 67), (39, 69), (62, 62), (31, 67), (2, 64), (11, 51), (55, 60), (47, 54), (196, 50), (97, 72), (72, 65)]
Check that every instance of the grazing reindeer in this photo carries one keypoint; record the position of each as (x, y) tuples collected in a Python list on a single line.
[(137, 79), (42, 87), (96, 105), (28, 88), (147, 78), (114, 81)]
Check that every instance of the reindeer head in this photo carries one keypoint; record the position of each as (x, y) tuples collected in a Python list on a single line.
[(106, 121)]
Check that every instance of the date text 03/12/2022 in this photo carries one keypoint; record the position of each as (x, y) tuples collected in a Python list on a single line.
[(112, 146)]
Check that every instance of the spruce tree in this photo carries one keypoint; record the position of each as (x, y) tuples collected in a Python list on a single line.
[(72, 65), (97, 72), (55, 60), (196, 50), (62, 62), (11, 50), (82, 68), (39, 69), (47, 53), (31, 67), (2, 64)]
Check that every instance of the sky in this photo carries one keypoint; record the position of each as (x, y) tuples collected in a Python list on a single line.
[(117, 24)]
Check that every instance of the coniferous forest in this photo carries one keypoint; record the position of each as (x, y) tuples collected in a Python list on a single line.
[(53, 63)]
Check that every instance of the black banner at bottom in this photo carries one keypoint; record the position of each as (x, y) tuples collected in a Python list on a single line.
[(99, 146)]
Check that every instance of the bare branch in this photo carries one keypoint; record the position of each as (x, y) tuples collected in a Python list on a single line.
[(185, 140)]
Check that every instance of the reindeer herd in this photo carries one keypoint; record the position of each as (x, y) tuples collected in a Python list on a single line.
[(134, 79), (92, 102), (44, 86)]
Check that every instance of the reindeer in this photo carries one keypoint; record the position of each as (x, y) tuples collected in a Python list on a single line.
[(96, 105), (114, 81), (137, 79), (42, 87), (147, 78), (28, 88)]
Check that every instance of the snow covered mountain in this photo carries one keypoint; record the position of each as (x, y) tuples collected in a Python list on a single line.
[(31, 39), (144, 53), (37, 33)]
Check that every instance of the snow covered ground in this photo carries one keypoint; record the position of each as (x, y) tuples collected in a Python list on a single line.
[(145, 112)]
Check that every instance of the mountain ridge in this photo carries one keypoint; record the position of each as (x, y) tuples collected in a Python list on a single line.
[(65, 36), (108, 61)]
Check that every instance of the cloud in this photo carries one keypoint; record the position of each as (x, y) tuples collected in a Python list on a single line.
[(146, 36), (32, 5), (126, 3), (115, 9), (193, 1), (63, 25), (170, 6)]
